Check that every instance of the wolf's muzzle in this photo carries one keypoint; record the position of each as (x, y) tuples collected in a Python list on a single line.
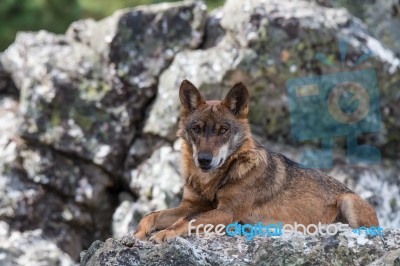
[(205, 159)]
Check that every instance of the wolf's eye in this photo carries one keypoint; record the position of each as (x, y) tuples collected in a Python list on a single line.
[(223, 130), (196, 129)]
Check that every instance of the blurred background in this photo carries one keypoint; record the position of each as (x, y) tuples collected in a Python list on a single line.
[(89, 105)]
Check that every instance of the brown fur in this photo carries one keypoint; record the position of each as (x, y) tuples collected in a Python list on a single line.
[(251, 184)]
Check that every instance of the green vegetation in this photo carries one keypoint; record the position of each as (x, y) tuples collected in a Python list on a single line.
[(56, 15)]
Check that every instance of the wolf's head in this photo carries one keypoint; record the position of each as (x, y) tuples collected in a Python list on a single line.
[(213, 130)]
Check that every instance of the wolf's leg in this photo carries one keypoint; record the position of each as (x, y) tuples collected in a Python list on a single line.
[(191, 203), (233, 205), (160, 220), (180, 228), (356, 211)]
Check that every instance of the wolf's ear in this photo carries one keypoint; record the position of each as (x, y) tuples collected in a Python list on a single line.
[(237, 100), (190, 97)]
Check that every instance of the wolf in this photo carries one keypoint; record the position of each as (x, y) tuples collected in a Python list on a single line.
[(229, 177)]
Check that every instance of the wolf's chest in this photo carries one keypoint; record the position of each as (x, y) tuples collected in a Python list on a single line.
[(207, 189)]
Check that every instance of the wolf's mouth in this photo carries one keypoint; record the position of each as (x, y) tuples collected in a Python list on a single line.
[(205, 169), (209, 168)]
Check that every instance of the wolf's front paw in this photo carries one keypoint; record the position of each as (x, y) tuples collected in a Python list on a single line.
[(142, 231), (163, 236), (141, 235), (145, 227)]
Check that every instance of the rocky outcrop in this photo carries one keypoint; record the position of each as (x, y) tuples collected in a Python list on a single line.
[(101, 78), (88, 126), (53, 194), (266, 43), (77, 104), (346, 248)]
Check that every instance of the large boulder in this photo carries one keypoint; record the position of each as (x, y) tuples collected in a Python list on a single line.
[(29, 248), (346, 248), (85, 93), (266, 43)]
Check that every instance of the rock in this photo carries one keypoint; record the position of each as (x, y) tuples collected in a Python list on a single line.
[(9, 121), (156, 184), (383, 20), (213, 32), (265, 44), (6, 84), (29, 248), (141, 149), (157, 181), (107, 72), (70, 201), (381, 17), (339, 249), (124, 217), (42, 189)]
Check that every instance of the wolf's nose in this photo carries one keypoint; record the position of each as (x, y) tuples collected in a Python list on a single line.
[(204, 159)]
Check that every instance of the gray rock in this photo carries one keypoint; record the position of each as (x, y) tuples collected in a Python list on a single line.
[(157, 185), (157, 180), (123, 220), (107, 72), (42, 189), (9, 121), (382, 17), (140, 150), (383, 20), (266, 43), (213, 32), (6, 84), (340, 249), (29, 248)]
